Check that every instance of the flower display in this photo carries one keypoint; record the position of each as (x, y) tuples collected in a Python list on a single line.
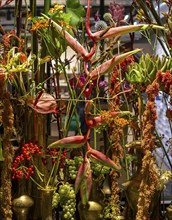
[(61, 67)]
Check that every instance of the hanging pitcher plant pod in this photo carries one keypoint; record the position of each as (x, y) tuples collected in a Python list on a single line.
[(107, 66), (70, 142), (104, 160), (71, 41), (83, 172), (86, 187), (83, 181), (122, 30)]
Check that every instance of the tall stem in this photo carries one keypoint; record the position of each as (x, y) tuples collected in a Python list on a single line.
[(34, 43), (18, 16), (163, 148)]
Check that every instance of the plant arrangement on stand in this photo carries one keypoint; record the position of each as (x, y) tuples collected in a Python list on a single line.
[(67, 171)]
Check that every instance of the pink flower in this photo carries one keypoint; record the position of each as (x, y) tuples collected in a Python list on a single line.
[(44, 104), (117, 11)]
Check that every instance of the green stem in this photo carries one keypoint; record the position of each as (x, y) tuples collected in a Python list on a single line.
[(125, 159), (165, 152), (54, 170), (157, 19), (47, 4), (34, 43), (169, 121), (73, 99), (38, 173), (36, 183), (18, 16), (94, 132), (25, 26)]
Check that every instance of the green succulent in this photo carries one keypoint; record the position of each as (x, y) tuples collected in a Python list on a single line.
[(145, 70)]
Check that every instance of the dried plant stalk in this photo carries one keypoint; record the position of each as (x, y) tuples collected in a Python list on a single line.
[(149, 172), (116, 132), (8, 152)]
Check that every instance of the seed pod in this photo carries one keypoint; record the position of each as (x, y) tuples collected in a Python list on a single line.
[(79, 177), (119, 31), (107, 66), (101, 158), (85, 188), (82, 174), (74, 44), (69, 142)]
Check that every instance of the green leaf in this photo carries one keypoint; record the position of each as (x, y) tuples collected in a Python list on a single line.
[(76, 10)]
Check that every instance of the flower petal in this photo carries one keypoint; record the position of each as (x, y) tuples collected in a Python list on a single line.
[(44, 104)]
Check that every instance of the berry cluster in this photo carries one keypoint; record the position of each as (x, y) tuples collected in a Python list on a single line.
[(19, 168), (99, 169), (56, 200), (53, 153), (67, 201), (73, 165)]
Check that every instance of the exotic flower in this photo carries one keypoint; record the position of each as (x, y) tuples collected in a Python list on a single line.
[(100, 25), (101, 158), (44, 104), (84, 180), (38, 24), (165, 79), (97, 16), (70, 142), (107, 17), (107, 66), (82, 79), (117, 11)]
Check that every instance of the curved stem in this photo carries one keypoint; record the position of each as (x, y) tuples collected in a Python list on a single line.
[(87, 22), (88, 30), (163, 148)]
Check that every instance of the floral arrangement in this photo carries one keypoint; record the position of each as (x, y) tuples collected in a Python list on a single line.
[(112, 76)]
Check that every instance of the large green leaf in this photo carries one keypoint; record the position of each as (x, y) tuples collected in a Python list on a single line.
[(74, 8)]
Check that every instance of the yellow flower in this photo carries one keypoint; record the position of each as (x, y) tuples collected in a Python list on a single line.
[(56, 7), (122, 122)]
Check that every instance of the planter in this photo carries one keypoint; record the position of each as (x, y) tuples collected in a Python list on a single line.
[(90, 212), (21, 206), (46, 204), (95, 204), (169, 212), (132, 193)]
